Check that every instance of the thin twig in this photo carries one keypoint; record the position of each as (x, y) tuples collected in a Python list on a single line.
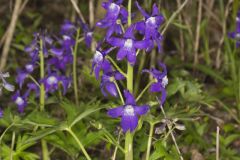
[(116, 148), (217, 144), (218, 61), (181, 33), (196, 45), (10, 33), (173, 138), (174, 15), (78, 10), (6, 32), (22, 6), (91, 22)]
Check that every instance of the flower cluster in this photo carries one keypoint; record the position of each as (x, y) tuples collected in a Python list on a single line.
[(142, 35), (236, 34), (57, 55)]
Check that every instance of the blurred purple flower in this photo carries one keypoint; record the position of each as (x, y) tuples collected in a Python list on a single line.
[(128, 45), (129, 112), (236, 34), (107, 83), (20, 101), (88, 33), (51, 82), (161, 81), (4, 84), (150, 26)]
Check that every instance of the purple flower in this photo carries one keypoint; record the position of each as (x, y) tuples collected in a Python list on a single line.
[(4, 83), (66, 83), (99, 62), (107, 83), (236, 35), (29, 67), (51, 82), (88, 33), (115, 15), (150, 26), (21, 76), (68, 28), (128, 45), (129, 112), (161, 81), (21, 101)]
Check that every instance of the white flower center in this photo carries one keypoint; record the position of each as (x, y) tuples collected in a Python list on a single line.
[(19, 101), (128, 110), (52, 80), (151, 21), (66, 37), (128, 44), (29, 67), (98, 57), (165, 81), (89, 34), (237, 19), (113, 7)]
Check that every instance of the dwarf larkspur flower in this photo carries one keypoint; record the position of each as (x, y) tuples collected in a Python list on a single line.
[(116, 16), (21, 101), (128, 45), (129, 112), (107, 83), (161, 81), (150, 26)]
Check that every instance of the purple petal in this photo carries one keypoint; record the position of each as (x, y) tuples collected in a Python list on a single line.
[(140, 26), (131, 56), (144, 13), (129, 123), (129, 98), (140, 110), (111, 88), (56, 51), (116, 41), (155, 10), (156, 87), (115, 112), (118, 76), (121, 54), (142, 44)]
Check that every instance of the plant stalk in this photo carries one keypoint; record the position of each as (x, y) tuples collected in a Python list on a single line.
[(129, 135), (45, 153), (149, 141), (79, 143)]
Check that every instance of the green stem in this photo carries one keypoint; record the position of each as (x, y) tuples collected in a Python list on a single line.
[(42, 89), (42, 99), (79, 143), (129, 135), (75, 85), (128, 146), (45, 153), (116, 66), (149, 141), (144, 90), (12, 145), (119, 92)]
